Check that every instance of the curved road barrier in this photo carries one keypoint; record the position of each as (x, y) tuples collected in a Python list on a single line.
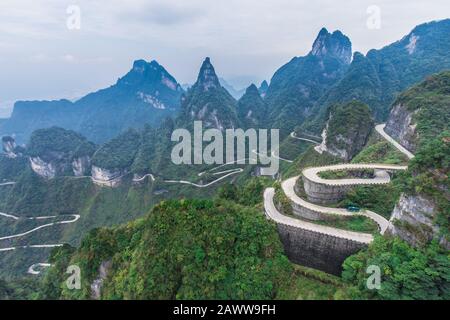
[(381, 177), (273, 213), (312, 244)]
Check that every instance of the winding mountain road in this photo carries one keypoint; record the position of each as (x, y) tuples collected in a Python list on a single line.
[(75, 218), (380, 129), (288, 187), (272, 213), (11, 183), (381, 176), (292, 135), (32, 269)]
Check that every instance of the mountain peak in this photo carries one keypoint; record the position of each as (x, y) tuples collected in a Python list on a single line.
[(207, 77), (252, 89), (334, 44)]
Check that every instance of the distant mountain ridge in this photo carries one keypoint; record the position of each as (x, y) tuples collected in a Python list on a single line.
[(299, 84), (378, 77), (300, 93), (145, 95)]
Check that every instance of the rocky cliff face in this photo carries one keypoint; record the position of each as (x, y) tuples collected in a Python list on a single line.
[(400, 126), (59, 152), (47, 170), (58, 166), (332, 45), (81, 166), (9, 147), (97, 284), (209, 102), (347, 130), (105, 177), (297, 86), (412, 220)]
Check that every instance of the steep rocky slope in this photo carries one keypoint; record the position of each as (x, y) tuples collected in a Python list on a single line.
[(252, 108), (209, 102), (347, 130), (55, 152), (421, 112), (378, 77), (298, 85)]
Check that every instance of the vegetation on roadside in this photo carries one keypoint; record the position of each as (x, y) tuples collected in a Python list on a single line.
[(188, 249), (406, 272)]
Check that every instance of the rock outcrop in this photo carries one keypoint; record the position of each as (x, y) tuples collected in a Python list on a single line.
[(334, 45), (47, 170), (209, 102), (263, 88), (347, 130), (58, 152), (105, 177), (81, 166), (400, 126), (252, 108), (97, 284), (413, 220), (9, 146)]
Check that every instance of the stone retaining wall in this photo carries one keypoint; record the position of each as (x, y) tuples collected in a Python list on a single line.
[(317, 250)]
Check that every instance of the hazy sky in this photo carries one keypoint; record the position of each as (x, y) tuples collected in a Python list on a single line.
[(247, 40)]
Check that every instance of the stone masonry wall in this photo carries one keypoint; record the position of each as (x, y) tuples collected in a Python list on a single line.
[(316, 250)]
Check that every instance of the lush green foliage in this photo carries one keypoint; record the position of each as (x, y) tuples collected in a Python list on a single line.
[(349, 127), (311, 284), (186, 249), (380, 152), (406, 273), (250, 194), (252, 108), (428, 175), (377, 78), (430, 101), (45, 143), (380, 199), (118, 153)]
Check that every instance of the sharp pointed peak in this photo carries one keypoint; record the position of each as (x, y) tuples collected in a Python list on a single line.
[(252, 88), (334, 44), (207, 78)]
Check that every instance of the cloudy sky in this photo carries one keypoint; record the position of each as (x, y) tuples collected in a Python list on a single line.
[(247, 40)]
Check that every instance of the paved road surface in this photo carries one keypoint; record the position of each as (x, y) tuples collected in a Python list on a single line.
[(7, 183), (32, 270), (275, 215), (380, 178), (398, 146), (304, 139), (75, 218)]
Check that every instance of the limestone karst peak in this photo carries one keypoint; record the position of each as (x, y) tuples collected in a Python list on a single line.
[(334, 44), (207, 78)]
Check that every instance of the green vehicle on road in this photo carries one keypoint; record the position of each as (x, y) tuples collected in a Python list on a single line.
[(353, 208)]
